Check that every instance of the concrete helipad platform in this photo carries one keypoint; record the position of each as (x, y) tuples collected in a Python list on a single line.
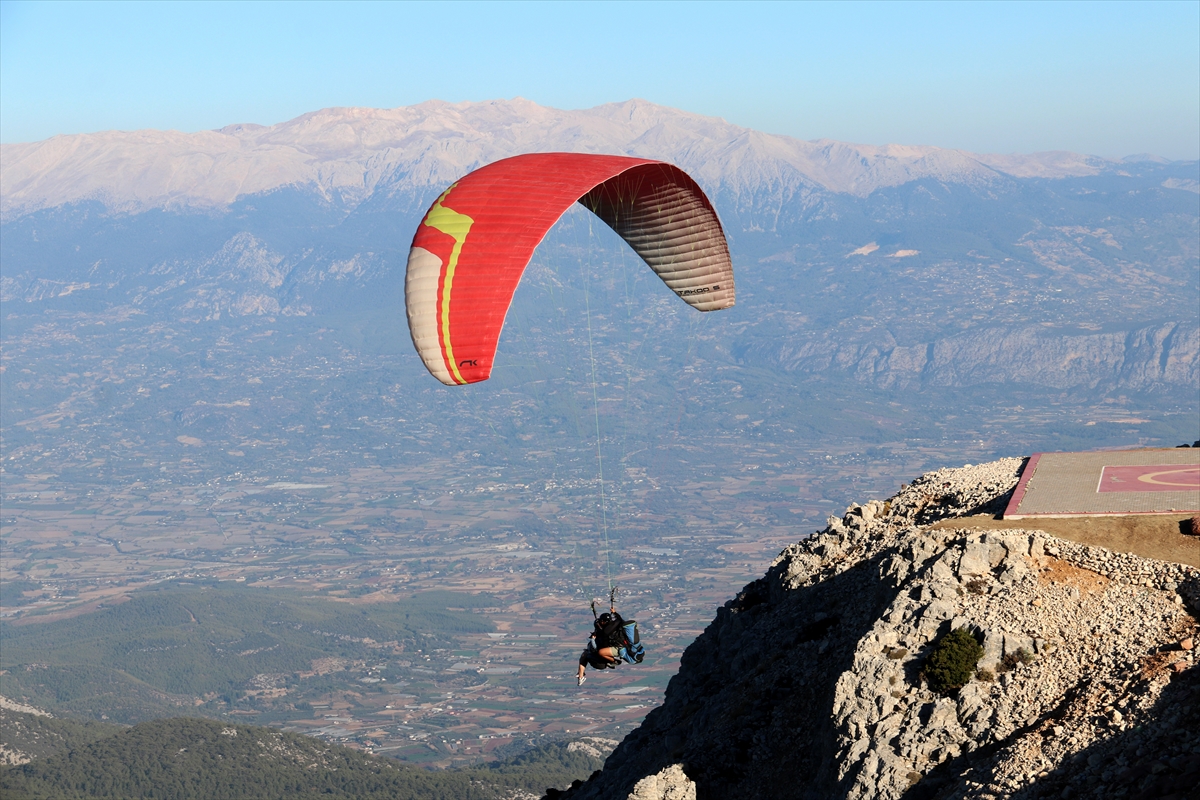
[(1115, 482)]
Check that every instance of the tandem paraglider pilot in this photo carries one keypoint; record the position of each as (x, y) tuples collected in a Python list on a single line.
[(613, 640)]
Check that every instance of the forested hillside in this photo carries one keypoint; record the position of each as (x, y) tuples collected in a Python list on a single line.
[(195, 759), (26, 736)]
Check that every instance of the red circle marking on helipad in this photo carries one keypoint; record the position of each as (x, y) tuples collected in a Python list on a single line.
[(1149, 478), (1184, 478)]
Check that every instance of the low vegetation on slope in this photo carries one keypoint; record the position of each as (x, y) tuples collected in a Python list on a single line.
[(951, 662), (198, 759)]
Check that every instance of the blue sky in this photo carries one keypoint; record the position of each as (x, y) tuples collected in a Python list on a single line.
[(1103, 78)]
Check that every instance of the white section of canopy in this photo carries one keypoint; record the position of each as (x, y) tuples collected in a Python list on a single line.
[(421, 288)]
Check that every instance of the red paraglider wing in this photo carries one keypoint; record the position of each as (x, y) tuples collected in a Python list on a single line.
[(472, 247)]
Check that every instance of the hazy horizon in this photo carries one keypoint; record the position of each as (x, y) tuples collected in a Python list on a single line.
[(1138, 156), (1102, 79)]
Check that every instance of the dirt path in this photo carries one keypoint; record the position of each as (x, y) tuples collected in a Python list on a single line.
[(1157, 536)]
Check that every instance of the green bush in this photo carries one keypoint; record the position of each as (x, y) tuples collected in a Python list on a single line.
[(952, 661)]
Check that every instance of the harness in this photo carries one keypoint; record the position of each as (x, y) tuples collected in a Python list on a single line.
[(611, 630)]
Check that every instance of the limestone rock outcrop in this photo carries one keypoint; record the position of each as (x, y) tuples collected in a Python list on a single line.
[(809, 683), (670, 783)]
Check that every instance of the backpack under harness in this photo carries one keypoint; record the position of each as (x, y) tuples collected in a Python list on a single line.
[(618, 634)]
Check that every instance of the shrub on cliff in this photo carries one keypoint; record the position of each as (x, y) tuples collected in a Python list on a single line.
[(952, 661), (1011, 660)]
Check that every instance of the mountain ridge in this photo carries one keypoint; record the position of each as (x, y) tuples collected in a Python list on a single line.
[(190, 757), (346, 154), (1140, 359)]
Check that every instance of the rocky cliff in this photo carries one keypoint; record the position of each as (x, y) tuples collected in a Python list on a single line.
[(1141, 359), (811, 682)]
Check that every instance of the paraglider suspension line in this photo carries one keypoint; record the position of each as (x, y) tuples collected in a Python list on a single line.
[(587, 304)]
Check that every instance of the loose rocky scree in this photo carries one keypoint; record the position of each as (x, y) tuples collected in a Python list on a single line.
[(809, 683)]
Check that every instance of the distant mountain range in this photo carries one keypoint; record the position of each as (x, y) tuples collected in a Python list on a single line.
[(348, 155), (903, 266)]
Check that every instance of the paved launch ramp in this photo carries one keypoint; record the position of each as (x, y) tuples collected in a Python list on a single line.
[(1109, 483)]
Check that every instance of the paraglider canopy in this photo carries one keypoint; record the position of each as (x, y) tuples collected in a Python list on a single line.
[(473, 245)]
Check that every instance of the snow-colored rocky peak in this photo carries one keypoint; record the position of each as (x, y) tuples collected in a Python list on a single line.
[(349, 153)]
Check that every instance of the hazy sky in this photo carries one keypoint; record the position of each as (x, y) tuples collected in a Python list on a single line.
[(1105, 78)]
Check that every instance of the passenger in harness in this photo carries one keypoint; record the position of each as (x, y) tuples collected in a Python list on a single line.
[(612, 641)]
